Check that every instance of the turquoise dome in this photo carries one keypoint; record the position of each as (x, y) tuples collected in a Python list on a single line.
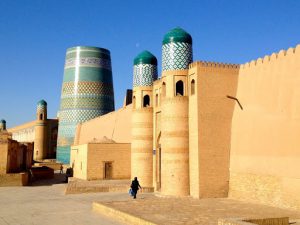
[(145, 57), (177, 35), (42, 102)]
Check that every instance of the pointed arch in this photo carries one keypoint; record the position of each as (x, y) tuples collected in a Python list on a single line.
[(146, 101), (179, 88)]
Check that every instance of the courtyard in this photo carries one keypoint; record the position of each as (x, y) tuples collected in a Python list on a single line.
[(45, 202)]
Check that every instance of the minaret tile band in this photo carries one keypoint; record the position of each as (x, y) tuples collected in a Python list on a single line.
[(87, 92), (144, 69), (177, 51)]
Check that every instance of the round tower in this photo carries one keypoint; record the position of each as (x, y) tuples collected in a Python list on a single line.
[(87, 92), (40, 137), (144, 73), (176, 57), (2, 125)]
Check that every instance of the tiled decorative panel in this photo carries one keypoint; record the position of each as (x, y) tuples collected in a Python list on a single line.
[(144, 74), (41, 108), (176, 56), (87, 92)]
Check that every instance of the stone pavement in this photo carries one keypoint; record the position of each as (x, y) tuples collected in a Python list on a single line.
[(46, 204), (77, 186), (177, 211)]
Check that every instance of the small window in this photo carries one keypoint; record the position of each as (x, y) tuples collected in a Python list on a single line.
[(146, 101), (179, 88), (41, 116), (133, 102), (156, 100), (193, 87), (163, 89)]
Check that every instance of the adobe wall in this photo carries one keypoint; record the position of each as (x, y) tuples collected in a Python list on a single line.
[(78, 160), (14, 156), (3, 156), (264, 159), (115, 125), (24, 132), (117, 153), (88, 160), (210, 117), (13, 179)]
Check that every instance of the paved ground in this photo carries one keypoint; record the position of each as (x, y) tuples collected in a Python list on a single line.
[(47, 204), (179, 211), (77, 186)]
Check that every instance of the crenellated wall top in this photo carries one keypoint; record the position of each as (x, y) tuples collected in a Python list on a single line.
[(273, 57)]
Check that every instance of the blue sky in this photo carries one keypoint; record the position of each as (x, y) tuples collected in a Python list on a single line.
[(35, 34)]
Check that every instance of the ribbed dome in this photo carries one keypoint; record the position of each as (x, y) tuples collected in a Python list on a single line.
[(42, 102), (145, 57), (177, 35)]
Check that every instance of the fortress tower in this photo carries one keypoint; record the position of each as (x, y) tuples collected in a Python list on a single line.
[(40, 139), (145, 72), (87, 92), (176, 57), (2, 125)]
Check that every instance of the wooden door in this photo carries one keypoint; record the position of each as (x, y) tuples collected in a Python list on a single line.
[(108, 170)]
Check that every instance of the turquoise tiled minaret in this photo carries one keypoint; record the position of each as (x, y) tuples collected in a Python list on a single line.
[(2, 125), (144, 69), (144, 73), (177, 51), (42, 109), (87, 92)]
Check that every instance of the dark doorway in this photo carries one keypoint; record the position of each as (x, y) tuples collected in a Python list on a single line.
[(179, 88), (193, 87), (107, 170), (146, 102)]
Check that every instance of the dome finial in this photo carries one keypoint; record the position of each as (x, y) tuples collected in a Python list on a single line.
[(145, 57), (177, 35), (42, 102)]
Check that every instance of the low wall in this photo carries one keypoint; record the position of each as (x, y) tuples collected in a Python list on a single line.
[(271, 190), (42, 172), (13, 179), (262, 221)]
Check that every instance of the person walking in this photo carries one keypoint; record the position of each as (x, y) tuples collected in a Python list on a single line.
[(135, 185), (61, 169)]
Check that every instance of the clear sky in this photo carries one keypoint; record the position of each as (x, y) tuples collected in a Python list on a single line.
[(35, 34)]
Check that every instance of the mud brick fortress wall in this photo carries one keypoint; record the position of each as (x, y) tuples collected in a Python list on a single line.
[(210, 115), (265, 143)]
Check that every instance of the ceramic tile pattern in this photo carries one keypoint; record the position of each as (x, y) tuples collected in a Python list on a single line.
[(87, 92), (176, 56), (144, 74)]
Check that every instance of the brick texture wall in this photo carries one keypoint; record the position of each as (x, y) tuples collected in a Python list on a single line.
[(264, 160), (118, 154)]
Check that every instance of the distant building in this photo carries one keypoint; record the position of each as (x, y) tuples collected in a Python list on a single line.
[(15, 159), (42, 132)]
